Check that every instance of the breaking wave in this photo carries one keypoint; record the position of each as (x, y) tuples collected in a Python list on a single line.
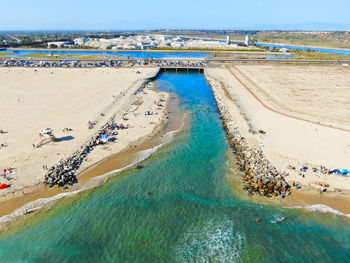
[(320, 208), (214, 242)]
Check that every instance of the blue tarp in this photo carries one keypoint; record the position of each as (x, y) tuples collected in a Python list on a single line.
[(344, 172), (336, 171), (104, 137)]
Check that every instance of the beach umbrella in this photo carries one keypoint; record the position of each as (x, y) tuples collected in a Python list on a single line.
[(3, 186)]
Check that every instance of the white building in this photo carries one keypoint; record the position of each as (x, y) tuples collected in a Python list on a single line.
[(80, 41), (228, 39), (58, 44), (145, 42)]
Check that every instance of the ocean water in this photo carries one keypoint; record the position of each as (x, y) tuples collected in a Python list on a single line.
[(192, 214)]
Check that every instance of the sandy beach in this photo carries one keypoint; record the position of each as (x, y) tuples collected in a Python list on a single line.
[(35, 99), (303, 112)]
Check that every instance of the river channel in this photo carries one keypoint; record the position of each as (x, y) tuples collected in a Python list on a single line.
[(180, 207)]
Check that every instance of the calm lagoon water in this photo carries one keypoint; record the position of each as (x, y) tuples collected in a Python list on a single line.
[(136, 54), (125, 54), (193, 215), (323, 50)]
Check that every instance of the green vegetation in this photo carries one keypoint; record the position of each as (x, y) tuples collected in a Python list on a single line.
[(46, 55), (322, 39), (62, 56), (318, 55), (3, 54)]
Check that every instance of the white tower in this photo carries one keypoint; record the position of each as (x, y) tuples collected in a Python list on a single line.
[(228, 39), (247, 40)]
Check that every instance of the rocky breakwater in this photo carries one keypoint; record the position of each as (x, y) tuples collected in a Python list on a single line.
[(258, 175), (64, 173)]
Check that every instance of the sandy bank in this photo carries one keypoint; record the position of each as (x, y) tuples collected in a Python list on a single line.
[(288, 140), (69, 98)]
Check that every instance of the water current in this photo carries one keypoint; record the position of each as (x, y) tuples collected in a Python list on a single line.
[(178, 208)]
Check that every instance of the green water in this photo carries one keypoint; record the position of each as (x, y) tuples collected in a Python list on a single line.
[(192, 216)]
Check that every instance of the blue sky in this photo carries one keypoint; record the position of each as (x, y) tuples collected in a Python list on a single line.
[(175, 14)]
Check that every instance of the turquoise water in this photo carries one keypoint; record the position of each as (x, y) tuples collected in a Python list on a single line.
[(124, 54), (193, 214)]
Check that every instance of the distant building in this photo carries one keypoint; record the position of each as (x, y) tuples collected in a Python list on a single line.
[(228, 39), (80, 41), (58, 44), (247, 40), (284, 50)]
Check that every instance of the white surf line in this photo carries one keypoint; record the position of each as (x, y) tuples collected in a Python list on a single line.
[(92, 183), (320, 208)]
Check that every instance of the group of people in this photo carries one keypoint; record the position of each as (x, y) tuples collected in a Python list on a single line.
[(109, 131), (5, 175), (321, 170)]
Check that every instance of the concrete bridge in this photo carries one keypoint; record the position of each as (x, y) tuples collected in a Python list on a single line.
[(183, 68)]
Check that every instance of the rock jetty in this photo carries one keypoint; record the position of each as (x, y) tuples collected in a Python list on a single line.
[(258, 175), (63, 174)]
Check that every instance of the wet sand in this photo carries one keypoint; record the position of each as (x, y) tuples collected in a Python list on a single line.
[(174, 122), (303, 198), (293, 140), (61, 98), (306, 198)]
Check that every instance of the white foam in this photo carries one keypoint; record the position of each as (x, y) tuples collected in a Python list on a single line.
[(34, 205), (213, 240), (320, 208), (92, 183)]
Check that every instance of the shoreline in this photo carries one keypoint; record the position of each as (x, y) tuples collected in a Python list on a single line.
[(305, 197), (97, 173), (23, 195), (258, 174), (309, 200)]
